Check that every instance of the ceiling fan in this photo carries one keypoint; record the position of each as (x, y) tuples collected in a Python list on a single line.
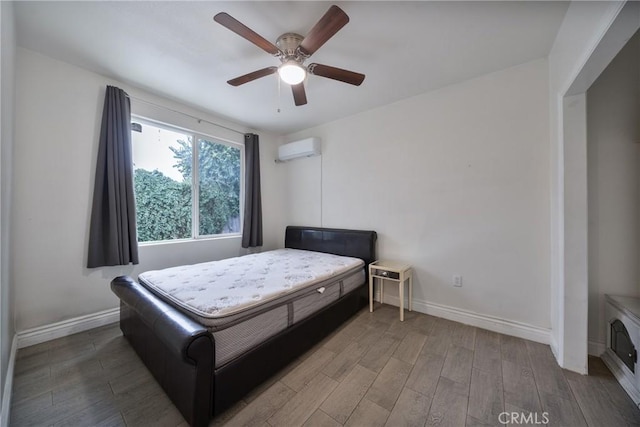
[(293, 50)]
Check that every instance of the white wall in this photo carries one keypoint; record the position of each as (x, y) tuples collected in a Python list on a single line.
[(455, 181), (580, 52), (7, 94), (613, 144), (304, 191), (58, 111)]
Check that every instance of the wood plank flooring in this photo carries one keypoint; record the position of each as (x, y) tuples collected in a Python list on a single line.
[(373, 371)]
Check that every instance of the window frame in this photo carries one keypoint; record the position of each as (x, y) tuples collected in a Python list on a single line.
[(195, 179)]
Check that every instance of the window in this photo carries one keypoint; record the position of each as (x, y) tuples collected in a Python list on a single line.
[(186, 185)]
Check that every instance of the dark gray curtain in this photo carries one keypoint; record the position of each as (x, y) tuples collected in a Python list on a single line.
[(252, 228), (112, 237)]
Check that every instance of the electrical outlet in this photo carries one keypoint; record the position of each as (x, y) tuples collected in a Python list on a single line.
[(457, 281)]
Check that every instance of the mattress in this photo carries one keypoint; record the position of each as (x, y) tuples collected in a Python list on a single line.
[(221, 292), (246, 300)]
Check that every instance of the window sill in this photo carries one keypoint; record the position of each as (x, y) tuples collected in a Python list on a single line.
[(183, 241)]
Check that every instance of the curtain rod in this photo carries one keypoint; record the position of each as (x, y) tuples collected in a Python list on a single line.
[(185, 114)]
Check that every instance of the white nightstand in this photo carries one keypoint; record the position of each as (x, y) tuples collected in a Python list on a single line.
[(394, 271)]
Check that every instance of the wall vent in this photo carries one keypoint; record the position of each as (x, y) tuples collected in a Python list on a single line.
[(622, 346)]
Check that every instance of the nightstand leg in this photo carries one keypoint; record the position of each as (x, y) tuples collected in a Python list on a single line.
[(401, 291), (371, 279), (381, 290)]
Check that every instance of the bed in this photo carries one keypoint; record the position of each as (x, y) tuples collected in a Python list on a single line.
[(205, 359)]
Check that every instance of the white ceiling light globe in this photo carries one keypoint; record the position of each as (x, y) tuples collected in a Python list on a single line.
[(292, 73)]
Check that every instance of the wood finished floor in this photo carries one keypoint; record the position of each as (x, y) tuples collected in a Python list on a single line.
[(374, 371)]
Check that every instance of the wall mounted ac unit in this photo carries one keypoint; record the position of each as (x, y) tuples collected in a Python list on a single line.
[(304, 148)]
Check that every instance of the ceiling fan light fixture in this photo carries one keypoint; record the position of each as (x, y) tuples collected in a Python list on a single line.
[(292, 73)]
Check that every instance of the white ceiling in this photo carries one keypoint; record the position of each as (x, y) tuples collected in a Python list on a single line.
[(175, 49)]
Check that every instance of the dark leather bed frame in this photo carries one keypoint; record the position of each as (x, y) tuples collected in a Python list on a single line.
[(179, 352)]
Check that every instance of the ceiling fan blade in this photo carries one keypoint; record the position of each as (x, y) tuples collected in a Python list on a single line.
[(334, 73), (325, 28), (242, 30), (252, 76), (299, 95)]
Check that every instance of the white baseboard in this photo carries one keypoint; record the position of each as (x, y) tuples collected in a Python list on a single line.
[(8, 384), (67, 327), (495, 324), (596, 348)]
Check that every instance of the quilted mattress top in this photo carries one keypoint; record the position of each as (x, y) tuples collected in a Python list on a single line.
[(223, 288)]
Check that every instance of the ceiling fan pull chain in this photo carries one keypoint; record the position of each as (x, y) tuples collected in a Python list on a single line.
[(278, 97)]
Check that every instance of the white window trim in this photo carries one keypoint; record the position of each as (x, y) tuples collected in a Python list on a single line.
[(195, 212)]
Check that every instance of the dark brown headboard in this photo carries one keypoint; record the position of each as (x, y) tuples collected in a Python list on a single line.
[(355, 243)]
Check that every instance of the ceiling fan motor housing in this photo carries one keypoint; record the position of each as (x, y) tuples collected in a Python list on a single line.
[(288, 43)]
